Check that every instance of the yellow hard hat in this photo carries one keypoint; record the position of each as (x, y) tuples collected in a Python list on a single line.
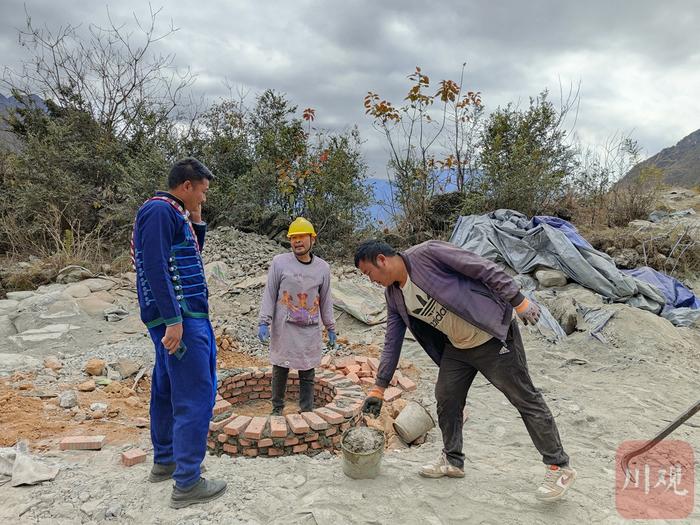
[(301, 226)]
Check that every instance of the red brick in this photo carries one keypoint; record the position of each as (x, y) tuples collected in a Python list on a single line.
[(275, 451), (354, 369), (300, 448), (244, 376), (406, 384), (315, 421), (293, 374), (325, 360), (258, 388), (345, 411), (218, 397), (291, 441), (392, 393), (252, 452), (315, 445), (297, 424), (344, 362), (244, 442), (239, 384), (211, 444), (133, 456), (278, 426), (329, 415), (394, 380), (360, 359), (336, 439), (373, 363), (221, 406), (215, 426), (352, 376), (266, 395), (311, 437), (251, 382), (367, 380), (231, 449), (256, 427), (331, 431), (237, 426), (82, 443), (254, 395), (223, 438), (259, 374), (264, 443)]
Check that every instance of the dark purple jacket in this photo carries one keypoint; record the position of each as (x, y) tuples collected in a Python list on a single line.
[(468, 285)]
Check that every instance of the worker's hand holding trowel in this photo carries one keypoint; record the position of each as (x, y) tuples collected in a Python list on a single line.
[(528, 311)]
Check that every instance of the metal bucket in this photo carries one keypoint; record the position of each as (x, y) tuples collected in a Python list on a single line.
[(413, 422), (362, 465)]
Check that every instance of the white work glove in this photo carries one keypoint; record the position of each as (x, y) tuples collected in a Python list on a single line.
[(528, 311)]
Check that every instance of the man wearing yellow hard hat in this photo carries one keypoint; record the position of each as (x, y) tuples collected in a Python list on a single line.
[(296, 300)]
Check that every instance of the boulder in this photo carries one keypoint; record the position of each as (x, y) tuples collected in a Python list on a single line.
[(550, 278), (98, 285), (19, 296), (7, 328), (78, 290), (73, 274)]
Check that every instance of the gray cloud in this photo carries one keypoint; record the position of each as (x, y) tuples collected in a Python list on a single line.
[(637, 61)]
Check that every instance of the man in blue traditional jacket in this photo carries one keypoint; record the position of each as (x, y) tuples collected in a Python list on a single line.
[(173, 298)]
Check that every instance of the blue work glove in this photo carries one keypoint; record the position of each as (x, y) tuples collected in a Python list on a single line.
[(331, 339), (263, 333)]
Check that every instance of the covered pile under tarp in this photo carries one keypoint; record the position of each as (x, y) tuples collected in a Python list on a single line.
[(682, 307), (510, 237)]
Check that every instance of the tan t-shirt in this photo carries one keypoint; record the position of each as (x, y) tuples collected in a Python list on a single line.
[(461, 334)]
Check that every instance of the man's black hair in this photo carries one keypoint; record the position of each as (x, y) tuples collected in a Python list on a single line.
[(186, 169), (371, 249)]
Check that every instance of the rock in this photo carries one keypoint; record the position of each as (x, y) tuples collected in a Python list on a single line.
[(98, 414), (68, 399), (104, 296), (102, 381), (78, 290), (216, 273), (19, 296), (639, 224), (626, 258), (94, 306), (98, 407), (7, 327), (7, 305), (133, 401), (95, 367), (98, 285), (550, 278), (73, 274), (87, 386), (113, 511), (113, 388), (127, 367), (141, 422), (113, 375), (564, 311), (53, 363), (47, 333)]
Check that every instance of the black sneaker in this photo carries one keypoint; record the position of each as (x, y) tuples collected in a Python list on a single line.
[(164, 471), (203, 491)]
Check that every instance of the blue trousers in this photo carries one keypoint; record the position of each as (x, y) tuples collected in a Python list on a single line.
[(183, 392)]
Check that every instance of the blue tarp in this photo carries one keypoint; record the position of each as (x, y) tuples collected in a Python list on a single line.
[(676, 293), (566, 227)]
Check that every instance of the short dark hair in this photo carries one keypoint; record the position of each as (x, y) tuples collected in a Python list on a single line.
[(371, 249), (186, 169)]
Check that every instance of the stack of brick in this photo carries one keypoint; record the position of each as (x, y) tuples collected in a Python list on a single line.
[(338, 393)]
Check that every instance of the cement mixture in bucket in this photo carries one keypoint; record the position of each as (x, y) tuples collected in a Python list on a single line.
[(362, 439)]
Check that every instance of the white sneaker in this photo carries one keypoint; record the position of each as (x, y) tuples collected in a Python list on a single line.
[(557, 480), (440, 469)]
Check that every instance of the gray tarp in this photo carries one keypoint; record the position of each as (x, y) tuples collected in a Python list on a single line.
[(503, 236)]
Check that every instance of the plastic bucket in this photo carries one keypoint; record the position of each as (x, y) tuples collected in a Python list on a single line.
[(413, 421), (362, 465)]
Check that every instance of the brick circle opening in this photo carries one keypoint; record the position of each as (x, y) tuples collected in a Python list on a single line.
[(337, 398)]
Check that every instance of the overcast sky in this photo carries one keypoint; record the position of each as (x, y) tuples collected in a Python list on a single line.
[(637, 61)]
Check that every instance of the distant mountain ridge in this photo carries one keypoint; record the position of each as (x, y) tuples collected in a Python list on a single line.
[(680, 163)]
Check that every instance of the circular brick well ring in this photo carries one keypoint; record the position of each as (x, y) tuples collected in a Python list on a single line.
[(337, 393)]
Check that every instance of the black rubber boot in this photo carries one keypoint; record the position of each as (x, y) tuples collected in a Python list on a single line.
[(279, 388), (203, 491)]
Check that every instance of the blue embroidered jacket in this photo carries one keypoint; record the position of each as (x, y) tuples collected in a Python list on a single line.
[(169, 269)]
